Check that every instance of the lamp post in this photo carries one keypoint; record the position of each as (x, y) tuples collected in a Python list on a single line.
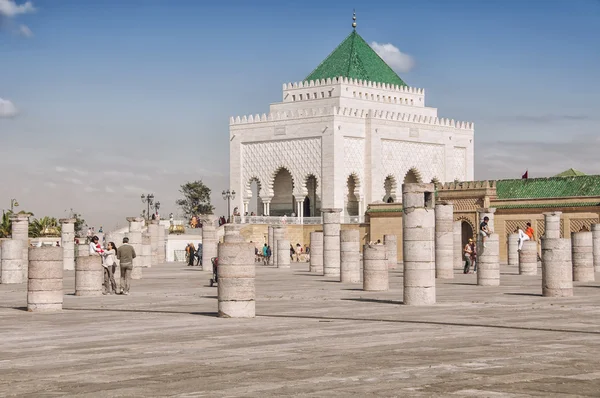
[(13, 203), (149, 200), (228, 196)]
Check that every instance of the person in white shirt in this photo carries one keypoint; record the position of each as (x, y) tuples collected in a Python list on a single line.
[(109, 263), (522, 238), (95, 247)]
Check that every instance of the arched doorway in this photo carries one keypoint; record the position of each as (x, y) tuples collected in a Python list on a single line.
[(389, 185), (466, 232), (310, 201), (255, 204), (283, 202), (352, 205), (412, 177)]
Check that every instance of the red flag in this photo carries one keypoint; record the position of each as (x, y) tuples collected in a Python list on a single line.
[(526, 175)]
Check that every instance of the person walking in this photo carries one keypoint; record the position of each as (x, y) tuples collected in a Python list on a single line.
[(468, 254), (126, 254), (269, 253), (191, 255), (307, 253), (298, 252), (109, 262), (264, 254)]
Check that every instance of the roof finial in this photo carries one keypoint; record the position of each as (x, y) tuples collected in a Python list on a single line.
[(354, 19)]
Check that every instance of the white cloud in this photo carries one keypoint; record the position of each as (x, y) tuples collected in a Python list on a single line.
[(25, 31), (396, 59), (74, 181), (60, 169), (9, 8), (109, 189), (7, 108)]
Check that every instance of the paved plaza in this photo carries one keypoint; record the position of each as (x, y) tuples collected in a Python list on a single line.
[(312, 337)]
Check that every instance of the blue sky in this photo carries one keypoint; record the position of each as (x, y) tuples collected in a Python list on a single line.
[(116, 98)]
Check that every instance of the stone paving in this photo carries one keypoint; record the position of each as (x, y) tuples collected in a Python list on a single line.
[(313, 337)]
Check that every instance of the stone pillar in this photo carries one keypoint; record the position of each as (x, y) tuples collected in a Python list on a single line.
[(236, 292), (89, 276), (596, 246), (488, 269), (375, 268), (209, 244), (418, 232), (20, 231), (557, 268), (84, 250), (316, 252), (45, 282), (283, 253), (153, 231), (163, 235), (391, 250), (271, 243), (513, 249), (552, 221), (350, 256), (528, 258), (331, 242), (135, 240), (444, 240), (457, 254), (278, 234), (582, 257), (146, 251), (12, 261), (232, 233), (67, 241), (486, 212)]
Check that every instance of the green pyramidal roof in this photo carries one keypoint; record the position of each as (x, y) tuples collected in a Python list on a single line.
[(570, 173), (354, 58)]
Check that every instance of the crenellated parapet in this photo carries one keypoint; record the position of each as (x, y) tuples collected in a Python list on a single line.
[(466, 185), (353, 82), (285, 115)]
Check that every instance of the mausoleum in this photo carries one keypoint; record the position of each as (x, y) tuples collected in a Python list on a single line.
[(348, 135)]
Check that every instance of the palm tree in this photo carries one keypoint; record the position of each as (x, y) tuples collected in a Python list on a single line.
[(6, 225), (45, 226)]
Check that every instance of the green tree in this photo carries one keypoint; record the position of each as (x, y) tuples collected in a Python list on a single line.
[(45, 226), (6, 225), (196, 199)]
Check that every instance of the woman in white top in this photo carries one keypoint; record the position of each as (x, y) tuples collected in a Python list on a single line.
[(109, 263)]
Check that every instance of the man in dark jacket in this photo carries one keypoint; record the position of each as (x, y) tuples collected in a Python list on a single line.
[(125, 254)]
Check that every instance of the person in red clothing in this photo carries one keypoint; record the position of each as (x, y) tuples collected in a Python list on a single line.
[(529, 231)]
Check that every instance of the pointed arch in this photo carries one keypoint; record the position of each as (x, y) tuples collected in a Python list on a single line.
[(390, 186), (412, 176)]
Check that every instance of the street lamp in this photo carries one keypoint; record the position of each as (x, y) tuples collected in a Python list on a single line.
[(148, 199), (13, 203), (228, 196)]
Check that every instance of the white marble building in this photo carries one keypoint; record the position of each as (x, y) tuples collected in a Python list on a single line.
[(348, 135)]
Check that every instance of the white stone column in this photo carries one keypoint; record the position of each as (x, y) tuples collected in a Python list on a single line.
[(45, 279), (350, 256), (418, 233), (391, 250), (552, 228), (209, 243), (12, 261), (528, 258), (146, 251), (375, 268), (232, 233), (596, 246), (20, 231), (582, 256), (67, 241), (513, 249), (458, 247), (236, 292), (153, 231), (135, 240), (331, 242), (557, 268), (89, 276), (488, 268), (278, 234), (316, 252), (163, 235), (444, 240), (283, 253)]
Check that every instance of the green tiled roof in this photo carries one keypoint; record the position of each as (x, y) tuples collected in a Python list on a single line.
[(547, 205), (354, 58), (553, 187), (570, 173)]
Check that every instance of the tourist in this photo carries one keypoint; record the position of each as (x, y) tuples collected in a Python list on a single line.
[(298, 252), (95, 247), (125, 254), (191, 254), (522, 238), (269, 253), (57, 244), (484, 229), (529, 231), (171, 220), (468, 253), (109, 263), (474, 257), (199, 254), (306, 253), (89, 235), (100, 230), (264, 254), (292, 252)]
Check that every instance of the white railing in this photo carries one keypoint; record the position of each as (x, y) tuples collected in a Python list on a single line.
[(353, 219), (272, 220)]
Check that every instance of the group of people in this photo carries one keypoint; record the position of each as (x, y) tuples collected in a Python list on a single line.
[(193, 254), (300, 253), (124, 254)]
